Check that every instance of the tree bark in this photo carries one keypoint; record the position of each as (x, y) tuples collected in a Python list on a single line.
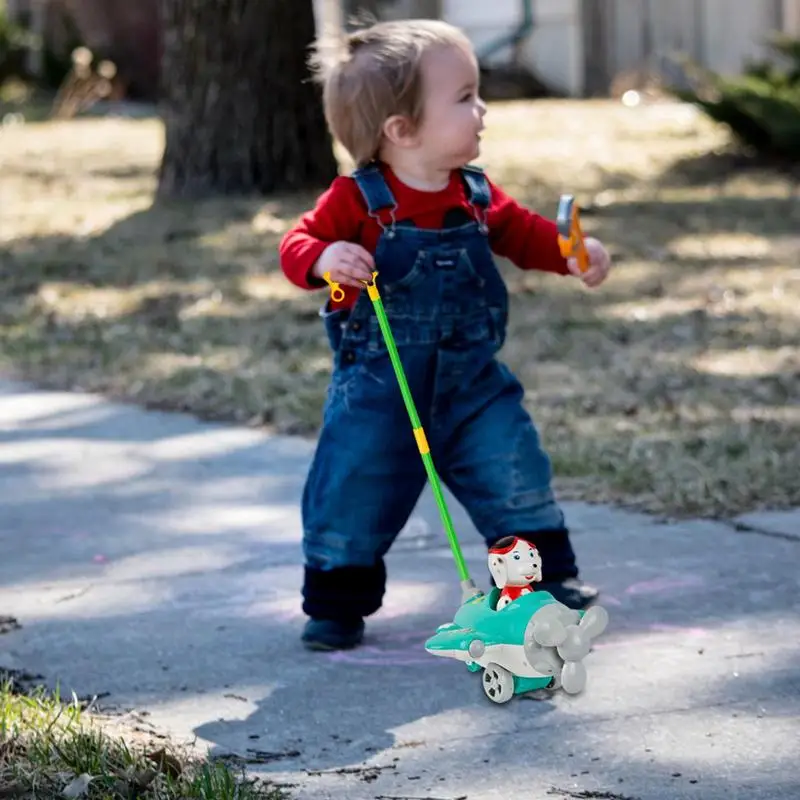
[(240, 112)]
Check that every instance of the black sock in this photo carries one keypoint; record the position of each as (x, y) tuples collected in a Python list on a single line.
[(344, 593)]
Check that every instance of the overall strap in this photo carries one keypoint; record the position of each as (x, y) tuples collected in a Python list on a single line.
[(376, 192), (478, 193)]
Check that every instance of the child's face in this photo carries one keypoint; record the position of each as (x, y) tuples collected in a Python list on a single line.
[(449, 135)]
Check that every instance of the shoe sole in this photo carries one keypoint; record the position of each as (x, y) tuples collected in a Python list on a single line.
[(323, 647), (588, 603), (317, 646)]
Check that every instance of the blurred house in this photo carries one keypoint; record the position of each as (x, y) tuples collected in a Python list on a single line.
[(576, 47), (579, 47)]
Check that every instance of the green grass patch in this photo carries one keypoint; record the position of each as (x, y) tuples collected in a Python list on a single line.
[(53, 747)]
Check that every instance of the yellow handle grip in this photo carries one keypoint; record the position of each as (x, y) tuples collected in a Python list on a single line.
[(337, 293), (372, 287)]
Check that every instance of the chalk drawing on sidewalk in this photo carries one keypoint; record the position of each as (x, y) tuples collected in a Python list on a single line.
[(632, 634), (665, 585), (391, 650), (684, 631)]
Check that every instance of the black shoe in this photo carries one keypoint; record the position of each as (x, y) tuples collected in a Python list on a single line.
[(332, 634), (571, 592)]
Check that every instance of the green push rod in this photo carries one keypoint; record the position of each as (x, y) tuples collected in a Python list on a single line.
[(468, 587), (419, 433)]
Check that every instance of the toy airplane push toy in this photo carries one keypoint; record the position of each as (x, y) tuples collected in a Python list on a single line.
[(522, 639)]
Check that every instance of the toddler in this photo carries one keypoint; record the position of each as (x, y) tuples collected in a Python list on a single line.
[(403, 99)]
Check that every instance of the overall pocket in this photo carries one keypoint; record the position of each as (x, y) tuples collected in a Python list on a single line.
[(408, 280), (335, 322), (467, 272)]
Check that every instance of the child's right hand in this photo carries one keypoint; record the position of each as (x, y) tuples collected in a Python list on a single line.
[(349, 264)]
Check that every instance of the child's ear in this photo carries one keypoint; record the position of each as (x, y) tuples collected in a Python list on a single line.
[(400, 131)]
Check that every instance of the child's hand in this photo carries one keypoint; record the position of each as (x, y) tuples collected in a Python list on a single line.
[(349, 264), (599, 263)]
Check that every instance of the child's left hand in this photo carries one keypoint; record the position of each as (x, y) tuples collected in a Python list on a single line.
[(599, 263)]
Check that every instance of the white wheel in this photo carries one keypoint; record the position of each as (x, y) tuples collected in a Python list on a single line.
[(573, 677), (498, 683)]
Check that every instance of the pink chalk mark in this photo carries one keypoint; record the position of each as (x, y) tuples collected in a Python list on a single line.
[(632, 635), (694, 633), (374, 657), (609, 600), (100, 559), (665, 584), (395, 650)]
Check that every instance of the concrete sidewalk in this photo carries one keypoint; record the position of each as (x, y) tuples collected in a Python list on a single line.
[(157, 558)]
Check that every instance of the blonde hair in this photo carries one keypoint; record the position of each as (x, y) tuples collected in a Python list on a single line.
[(375, 73)]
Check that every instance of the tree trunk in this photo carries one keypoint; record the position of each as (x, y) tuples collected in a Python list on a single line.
[(240, 113)]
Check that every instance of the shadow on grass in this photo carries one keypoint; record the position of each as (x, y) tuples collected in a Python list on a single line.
[(122, 173), (760, 216), (183, 306), (717, 167)]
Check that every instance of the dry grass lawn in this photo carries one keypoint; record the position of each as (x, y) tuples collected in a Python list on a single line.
[(674, 387)]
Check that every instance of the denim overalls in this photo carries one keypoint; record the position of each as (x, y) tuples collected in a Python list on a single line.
[(447, 306)]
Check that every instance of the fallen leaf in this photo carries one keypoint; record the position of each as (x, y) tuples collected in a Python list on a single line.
[(12, 790), (166, 762), (142, 778), (78, 787), (8, 624)]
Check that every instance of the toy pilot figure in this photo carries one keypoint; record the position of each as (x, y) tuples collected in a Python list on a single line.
[(515, 564)]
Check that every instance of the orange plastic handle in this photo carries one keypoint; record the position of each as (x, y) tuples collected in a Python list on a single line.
[(570, 235)]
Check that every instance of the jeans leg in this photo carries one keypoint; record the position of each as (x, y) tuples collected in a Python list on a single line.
[(495, 465), (364, 482)]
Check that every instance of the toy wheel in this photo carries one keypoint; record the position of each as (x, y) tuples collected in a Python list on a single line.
[(498, 683)]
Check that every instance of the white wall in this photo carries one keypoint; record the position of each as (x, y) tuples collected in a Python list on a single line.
[(554, 51), (791, 17), (734, 32), (721, 34)]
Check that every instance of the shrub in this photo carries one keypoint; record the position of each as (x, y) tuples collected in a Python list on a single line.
[(13, 42), (761, 106)]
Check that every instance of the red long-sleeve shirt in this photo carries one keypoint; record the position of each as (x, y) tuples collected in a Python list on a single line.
[(523, 237)]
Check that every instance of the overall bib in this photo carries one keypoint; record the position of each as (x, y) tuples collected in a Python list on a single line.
[(447, 306)]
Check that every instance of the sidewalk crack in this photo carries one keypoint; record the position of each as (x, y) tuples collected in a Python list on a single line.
[(743, 527)]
